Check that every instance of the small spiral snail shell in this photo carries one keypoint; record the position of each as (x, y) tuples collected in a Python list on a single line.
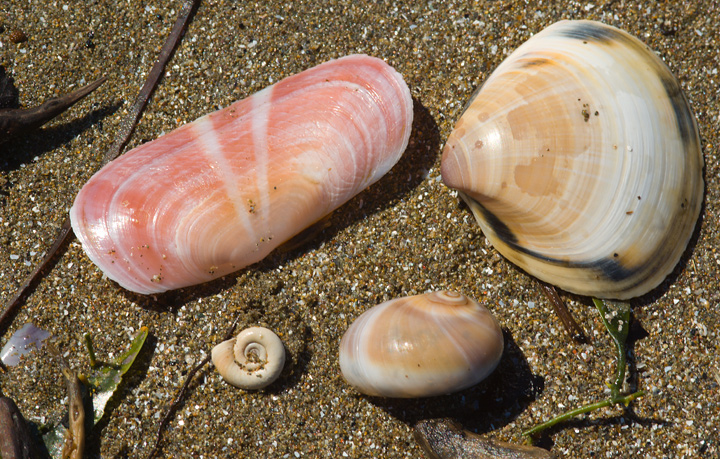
[(421, 346), (252, 360), (580, 158)]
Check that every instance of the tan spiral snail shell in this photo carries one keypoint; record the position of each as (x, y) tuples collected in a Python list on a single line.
[(252, 360), (580, 159)]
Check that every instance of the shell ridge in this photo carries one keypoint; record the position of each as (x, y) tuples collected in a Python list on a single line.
[(213, 150), (450, 327), (585, 31), (125, 258), (686, 123), (125, 253), (338, 135), (493, 228), (366, 371), (259, 122), (393, 110), (360, 96), (370, 100), (334, 184)]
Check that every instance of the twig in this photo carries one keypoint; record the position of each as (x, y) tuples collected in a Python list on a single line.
[(582, 410), (16, 120), (574, 331), (16, 439), (129, 123), (15, 301), (127, 128), (91, 352), (181, 394)]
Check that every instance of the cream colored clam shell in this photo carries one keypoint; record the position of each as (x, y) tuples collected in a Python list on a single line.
[(252, 360), (420, 346), (580, 158)]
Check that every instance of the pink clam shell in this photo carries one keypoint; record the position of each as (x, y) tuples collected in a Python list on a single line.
[(222, 192)]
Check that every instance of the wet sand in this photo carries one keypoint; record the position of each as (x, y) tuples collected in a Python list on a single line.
[(405, 235)]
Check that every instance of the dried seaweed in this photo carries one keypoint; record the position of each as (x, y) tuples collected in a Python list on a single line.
[(101, 384), (615, 317), (106, 377)]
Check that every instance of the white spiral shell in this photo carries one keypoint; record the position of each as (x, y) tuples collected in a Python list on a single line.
[(252, 360), (420, 346), (580, 158)]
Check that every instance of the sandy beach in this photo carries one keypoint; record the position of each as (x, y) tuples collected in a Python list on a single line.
[(405, 235)]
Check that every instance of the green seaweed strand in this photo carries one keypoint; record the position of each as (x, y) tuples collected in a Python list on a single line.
[(617, 323), (87, 339)]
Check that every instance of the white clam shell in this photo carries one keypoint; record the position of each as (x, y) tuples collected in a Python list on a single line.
[(580, 158), (252, 360), (420, 346)]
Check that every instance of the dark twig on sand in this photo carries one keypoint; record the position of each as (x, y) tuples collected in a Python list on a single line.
[(574, 331), (30, 280), (129, 123), (181, 394), (128, 127), (18, 120)]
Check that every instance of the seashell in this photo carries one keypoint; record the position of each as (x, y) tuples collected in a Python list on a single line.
[(580, 158), (21, 343), (252, 360), (420, 346), (222, 192)]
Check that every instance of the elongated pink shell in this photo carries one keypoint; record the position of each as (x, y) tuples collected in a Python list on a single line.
[(222, 192)]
